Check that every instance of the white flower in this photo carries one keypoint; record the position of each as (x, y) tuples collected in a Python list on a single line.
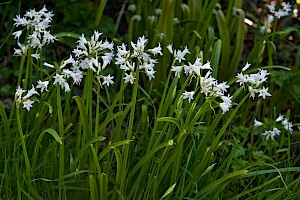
[(47, 38), (58, 79), (226, 99), (108, 80), (49, 65), (62, 82), (19, 92), (139, 47), (226, 103), (280, 118), (22, 51), (129, 78), (180, 55), (270, 18), (206, 66), (43, 85), (188, 95), (28, 104), (76, 76), (276, 131), (17, 34), (252, 91), (242, 79), (170, 48), (223, 86), (257, 123), (269, 134), (286, 7), (287, 125), (36, 56), (177, 70), (150, 73), (246, 67), (188, 69), (224, 107), (264, 93), (31, 92), (20, 21), (156, 50)]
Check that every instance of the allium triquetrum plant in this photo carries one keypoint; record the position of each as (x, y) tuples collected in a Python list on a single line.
[(85, 128)]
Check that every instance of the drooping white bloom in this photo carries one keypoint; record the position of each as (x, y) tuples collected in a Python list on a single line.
[(206, 66), (287, 125), (22, 51), (156, 50), (188, 95), (224, 107), (226, 104), (177, 70), (170, 48), (19, 92), (31, 92), (17, 34), (280, 118), (49, 65), (246, 67), (257, 123)]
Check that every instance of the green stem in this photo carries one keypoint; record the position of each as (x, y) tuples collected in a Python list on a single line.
[(130, 127), (97, 110), (61, 147), (21, 70), (28, 66), (27, 163)]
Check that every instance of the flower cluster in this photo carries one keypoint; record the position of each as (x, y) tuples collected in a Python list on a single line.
[(139, 57), (276, 10), (25, 100), (209, 86), (285, 124), (254, 82), (93, 54), (36, 23)]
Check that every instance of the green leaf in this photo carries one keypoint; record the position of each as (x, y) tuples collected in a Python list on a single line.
[(54, 134), (93, 188), (67, 34), (170, 119), (218, 182)]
